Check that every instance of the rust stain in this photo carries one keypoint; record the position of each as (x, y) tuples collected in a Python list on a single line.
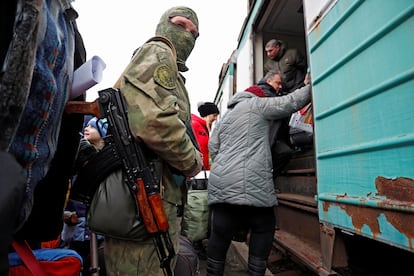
[(325, 206), (361, 216), (404, 223), (401, 188)]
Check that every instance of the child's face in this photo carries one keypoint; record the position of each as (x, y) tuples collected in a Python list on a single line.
[(92, 134)]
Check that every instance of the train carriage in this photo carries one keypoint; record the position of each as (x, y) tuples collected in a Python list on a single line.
[(347, 200)]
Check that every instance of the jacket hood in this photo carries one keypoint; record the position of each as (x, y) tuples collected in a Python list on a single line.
[(239, 97)]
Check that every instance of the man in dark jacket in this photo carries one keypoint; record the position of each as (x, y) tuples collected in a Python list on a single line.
[(289, 62)]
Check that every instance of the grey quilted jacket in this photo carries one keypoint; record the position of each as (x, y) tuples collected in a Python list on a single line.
[(241, 171)]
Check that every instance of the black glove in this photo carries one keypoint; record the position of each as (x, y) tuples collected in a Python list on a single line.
[(180, 210), (85, 152)]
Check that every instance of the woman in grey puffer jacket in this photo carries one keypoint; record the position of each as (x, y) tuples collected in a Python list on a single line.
[(241, 190)]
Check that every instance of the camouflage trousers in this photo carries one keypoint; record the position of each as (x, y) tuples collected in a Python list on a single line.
[(123, 257)]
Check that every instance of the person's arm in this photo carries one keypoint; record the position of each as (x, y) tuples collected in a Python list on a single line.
[(279, 107), (214, 142)]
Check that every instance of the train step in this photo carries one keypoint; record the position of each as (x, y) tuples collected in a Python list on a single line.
[(306, 253)]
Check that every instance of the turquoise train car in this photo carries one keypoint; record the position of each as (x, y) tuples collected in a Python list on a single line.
[(361, 55), (347, 200), (362, 61)]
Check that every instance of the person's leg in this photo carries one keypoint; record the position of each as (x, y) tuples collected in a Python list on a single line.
[(261, 237), (223, 225)]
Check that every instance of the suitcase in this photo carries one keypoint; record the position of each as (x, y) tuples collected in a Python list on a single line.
[(187, 260)]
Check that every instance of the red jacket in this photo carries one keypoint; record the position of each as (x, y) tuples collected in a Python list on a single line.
[(202, 136)]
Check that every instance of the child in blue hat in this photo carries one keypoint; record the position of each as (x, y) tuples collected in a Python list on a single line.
[(75, 234), (95, 131)]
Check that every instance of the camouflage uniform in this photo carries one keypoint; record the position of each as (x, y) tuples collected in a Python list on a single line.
[(158, 106)]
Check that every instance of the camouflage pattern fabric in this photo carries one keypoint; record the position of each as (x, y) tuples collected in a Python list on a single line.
[(123, 257), (158, 106)]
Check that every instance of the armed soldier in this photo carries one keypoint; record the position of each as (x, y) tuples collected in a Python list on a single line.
[(159, 116)]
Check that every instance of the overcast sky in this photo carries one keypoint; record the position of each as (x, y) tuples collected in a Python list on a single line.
[(112, 30)]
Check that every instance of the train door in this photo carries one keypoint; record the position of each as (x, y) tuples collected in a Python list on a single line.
[(298, 231)]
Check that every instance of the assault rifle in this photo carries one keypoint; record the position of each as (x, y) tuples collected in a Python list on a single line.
[(140, 178)]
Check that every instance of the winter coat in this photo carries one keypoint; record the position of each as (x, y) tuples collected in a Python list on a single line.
[(241, 171), (37, 77), (202, 135)]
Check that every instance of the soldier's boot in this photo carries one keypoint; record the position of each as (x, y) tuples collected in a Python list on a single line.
[(257, 266), (215, 267)]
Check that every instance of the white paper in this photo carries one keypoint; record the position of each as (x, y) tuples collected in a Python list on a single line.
[(86, 76), (296, 122)]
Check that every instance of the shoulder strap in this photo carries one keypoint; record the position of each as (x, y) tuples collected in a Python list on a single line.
[(154, 38), (166, 41), (26, 254)]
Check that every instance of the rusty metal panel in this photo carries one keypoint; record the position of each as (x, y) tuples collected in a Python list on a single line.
[(364, 130)]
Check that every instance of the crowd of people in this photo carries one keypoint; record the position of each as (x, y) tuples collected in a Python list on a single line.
[(44, 157)]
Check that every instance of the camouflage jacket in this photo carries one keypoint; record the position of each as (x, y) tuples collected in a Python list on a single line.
[(158, 106)]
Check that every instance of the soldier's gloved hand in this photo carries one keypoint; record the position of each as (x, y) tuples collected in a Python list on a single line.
[(199, 161), (86, 152)]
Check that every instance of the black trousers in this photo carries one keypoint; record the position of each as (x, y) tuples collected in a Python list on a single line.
[(227, 219)]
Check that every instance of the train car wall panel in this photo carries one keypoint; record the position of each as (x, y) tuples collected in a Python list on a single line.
[(362, 64)]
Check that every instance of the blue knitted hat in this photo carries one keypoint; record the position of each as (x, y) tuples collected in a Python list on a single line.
[(100, 124)]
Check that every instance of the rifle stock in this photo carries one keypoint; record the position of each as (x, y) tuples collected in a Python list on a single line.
[(77, 107)]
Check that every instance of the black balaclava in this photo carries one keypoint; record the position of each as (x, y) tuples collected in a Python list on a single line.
[(182, 40)]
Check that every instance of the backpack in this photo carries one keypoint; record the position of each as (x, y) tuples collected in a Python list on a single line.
[(187, 260)]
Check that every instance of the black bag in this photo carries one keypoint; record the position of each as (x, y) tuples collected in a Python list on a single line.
[(187, 259), (113, 211)]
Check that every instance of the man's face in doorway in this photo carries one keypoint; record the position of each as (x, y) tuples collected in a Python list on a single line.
[(272, 52), (276, 83)]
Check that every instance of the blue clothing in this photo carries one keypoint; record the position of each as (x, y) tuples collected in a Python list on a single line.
[(35, 141), (79, 231)]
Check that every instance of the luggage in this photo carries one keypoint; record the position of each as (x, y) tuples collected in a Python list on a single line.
[(41, 262), (187, 260), (195, 219)]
